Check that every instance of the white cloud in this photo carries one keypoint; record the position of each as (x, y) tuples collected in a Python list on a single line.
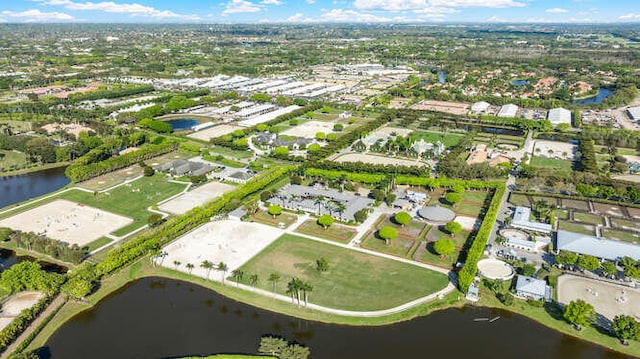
[(310, 1), (298, 17), (37, 16), (340, 15), (556, 10), (239, 6), (390, 5), (435, 12), (630, 16), (271, 2), (109, 6), (477, 3)]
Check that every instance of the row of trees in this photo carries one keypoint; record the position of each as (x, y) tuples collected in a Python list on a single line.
[(582, 314), (54, 248), (361, 167), (281, 349), (79, 171)]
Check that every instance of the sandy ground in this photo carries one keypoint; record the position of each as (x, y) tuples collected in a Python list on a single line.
[(212, 132), (387, 131), (309, 129), (195, 198), (231, 242), (456, 108), (16, 304), (630, 178), (467, 223), (608, 299), (495, 269), (558, 149), (378, 160), (67, 221)]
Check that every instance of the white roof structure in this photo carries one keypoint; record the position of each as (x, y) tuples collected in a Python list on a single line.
[(521, 220), (508, 110), (267, 116), (596, 246), (481, 106), (634, 113), (531, 287), (559, 115)]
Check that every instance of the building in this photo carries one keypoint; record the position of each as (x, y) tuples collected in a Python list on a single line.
[(634, 113), (508, 110), (423, 147), (599, 247), (237, 214), (559, 115), (521, 220), (532, 288), (480, 107), (186, 168)]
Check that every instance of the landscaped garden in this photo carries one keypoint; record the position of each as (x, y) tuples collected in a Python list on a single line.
[(352, 280), (285, 218), (544, 162), (335, 232), (402, 245)]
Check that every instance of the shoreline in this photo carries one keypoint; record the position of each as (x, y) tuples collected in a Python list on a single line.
[(23, 171), (143, 269)]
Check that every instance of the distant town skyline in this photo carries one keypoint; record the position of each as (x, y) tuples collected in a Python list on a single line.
[(320, 11)]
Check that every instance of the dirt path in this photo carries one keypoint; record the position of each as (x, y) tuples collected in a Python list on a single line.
[(58, 301)]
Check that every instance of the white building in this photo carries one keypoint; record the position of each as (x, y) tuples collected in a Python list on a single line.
[(634, 113), (521, 220), (480, 107), (508, 110), (559, 115)]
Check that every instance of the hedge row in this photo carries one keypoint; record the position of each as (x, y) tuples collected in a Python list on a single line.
[(373, 168), (78, 172), (176, 226), (468, 272), (22, 321), (25, 343), (445, 182), (369, 178)]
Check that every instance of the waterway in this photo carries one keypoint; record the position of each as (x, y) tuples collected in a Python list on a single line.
[(602, 94), (442, 76), (162, 318), (19, 188), (183, 124), (8, 258)]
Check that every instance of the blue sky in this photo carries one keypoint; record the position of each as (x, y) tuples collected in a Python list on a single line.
[(314, 11)]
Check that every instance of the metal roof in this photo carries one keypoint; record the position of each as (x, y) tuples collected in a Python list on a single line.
[(596, 246)]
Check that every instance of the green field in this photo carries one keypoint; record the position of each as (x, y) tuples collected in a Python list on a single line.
[(448, 139), (10, 160), (577, 228), (588, 218), (355, 281), (129, 201), (336, 232), (563, 165), (621, 235), (519, 200)]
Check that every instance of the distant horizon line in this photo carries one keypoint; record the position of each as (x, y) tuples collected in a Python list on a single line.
[(267, 23)]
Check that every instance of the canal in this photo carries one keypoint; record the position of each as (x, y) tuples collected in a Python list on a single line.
[(19, 188), (162, 318)]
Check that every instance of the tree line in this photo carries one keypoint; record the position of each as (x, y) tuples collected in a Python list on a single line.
[(54, 248)]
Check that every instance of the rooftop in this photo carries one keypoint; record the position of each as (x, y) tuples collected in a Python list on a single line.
[(596, 246)]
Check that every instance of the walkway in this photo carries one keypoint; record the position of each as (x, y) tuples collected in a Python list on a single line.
[(365, 226), (57, 301)]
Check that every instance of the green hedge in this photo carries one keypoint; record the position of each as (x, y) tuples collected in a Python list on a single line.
[(369, 178), (78, 171), (21, 322)]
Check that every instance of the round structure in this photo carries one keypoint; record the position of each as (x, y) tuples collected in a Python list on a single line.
[(495, 269), (514, 234), (437, 214)]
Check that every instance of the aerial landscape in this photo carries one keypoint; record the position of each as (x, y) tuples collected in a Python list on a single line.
[(319, 179)]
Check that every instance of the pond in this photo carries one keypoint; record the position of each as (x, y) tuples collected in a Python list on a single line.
[(19, 188), (160, 318), (602, 94), (8, 258), (519, 82), (442, 76), (183, 124)]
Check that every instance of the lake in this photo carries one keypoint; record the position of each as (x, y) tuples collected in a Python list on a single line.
[(160, 318), (602, 94), (183, 124), (19, 188), (519, 82), (8, 258), (442, 76)]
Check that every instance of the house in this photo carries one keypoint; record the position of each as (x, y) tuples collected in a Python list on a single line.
[(521, 220), (237, 214), (186, 168), (422, 147), (239, 176), (599, 247), (532, 288)]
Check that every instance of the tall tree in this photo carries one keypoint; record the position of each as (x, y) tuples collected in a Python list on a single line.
[(579, 313), (223, 268), (208, 266), (274, 278), (625, 327)]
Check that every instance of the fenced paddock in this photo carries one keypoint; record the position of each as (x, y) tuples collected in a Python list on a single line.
[(608, 299), (195, 198), (67, 221)]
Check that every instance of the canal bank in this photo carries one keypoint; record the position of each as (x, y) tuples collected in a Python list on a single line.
[(115, 284)]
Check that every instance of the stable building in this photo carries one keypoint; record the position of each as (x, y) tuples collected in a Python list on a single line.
[(559, 115), (634, 113), (521, 220), (599, 247), (508, 110), (532, 288)]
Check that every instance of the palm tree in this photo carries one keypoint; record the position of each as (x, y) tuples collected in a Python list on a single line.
[(253, 280), (154, 254), (340, 208), (189, 267), (274, 278), (208, 266), (319, 201), (224, 268), (237, 275), (176, 263), (306, 288), (293, 288)]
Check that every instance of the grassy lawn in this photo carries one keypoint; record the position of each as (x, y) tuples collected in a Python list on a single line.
[(469, 209), (429, 256), (438, 232), (562, 165), (398, 247), (519, 200), (265, 218), (12, 160), (621, 235), (355, 281), (98, 243), (575, 204), (618, 222), (577, 228), (475, 196), (229, 152), (588, 218), (336, 232), (561, 214), (447, 139)]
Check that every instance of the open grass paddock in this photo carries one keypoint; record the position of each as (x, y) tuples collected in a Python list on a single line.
[(355, 281)]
